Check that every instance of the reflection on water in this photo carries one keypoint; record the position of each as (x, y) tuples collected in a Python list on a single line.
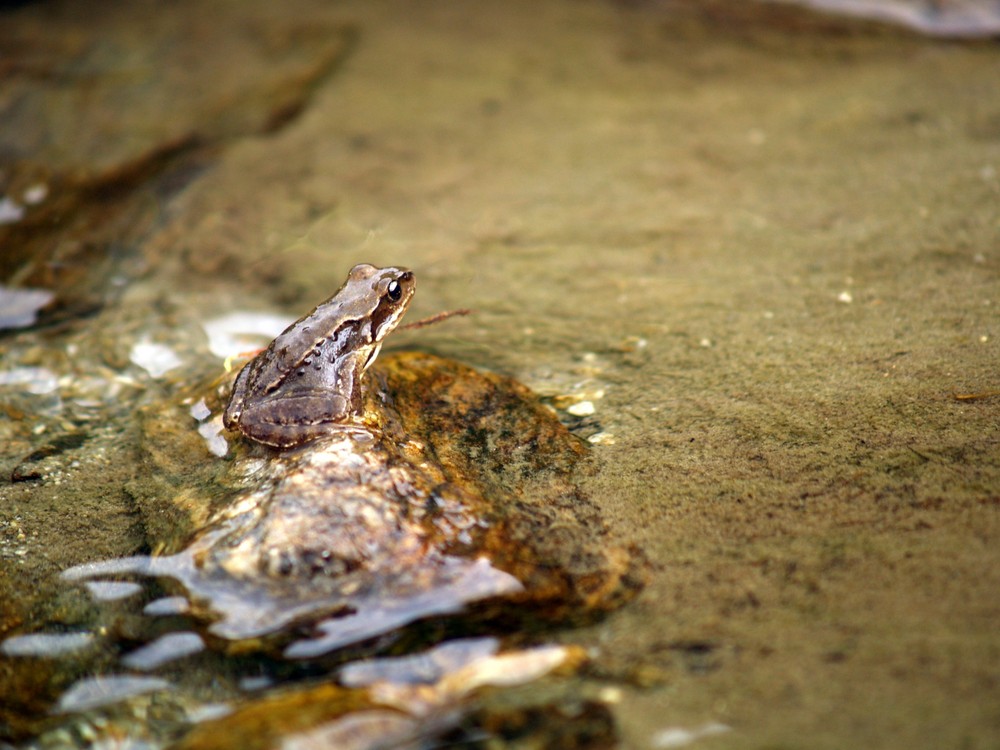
[(94, 692), (109, 591), (244, 610), (46, 644), (422, 695), (19, 307), (163, 650), (944, 18), (411, 702)]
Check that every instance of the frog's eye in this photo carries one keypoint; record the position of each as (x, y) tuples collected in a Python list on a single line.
[(394, 291)]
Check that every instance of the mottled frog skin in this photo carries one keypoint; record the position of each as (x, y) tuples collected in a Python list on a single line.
[(309, 379)]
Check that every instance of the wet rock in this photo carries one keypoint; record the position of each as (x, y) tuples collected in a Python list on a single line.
[(457, 490), (473, 693), (450, 510)]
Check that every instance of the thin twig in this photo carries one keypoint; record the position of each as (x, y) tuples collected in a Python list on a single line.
[(974, 396), (435, 318)]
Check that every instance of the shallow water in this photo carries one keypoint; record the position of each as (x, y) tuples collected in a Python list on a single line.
[(749, 253)]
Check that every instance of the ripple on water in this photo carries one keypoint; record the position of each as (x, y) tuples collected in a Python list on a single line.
[(46, 644), (165, 649), (95, 692)]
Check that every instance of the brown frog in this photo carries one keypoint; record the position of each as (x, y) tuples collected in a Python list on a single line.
[(309, 378)]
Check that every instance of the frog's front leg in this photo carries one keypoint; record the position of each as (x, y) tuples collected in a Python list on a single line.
[(292, 420)]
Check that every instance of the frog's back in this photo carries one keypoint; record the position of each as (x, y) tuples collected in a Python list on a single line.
[(303, 340)]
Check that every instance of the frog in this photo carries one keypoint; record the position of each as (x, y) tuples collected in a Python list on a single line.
[(307, 382)]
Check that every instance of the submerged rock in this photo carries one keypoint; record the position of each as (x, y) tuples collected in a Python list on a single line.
[(455, 488), (447, 696), (450, 509)]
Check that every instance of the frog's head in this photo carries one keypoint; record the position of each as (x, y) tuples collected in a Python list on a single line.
[(381, 296), (393, 288)]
